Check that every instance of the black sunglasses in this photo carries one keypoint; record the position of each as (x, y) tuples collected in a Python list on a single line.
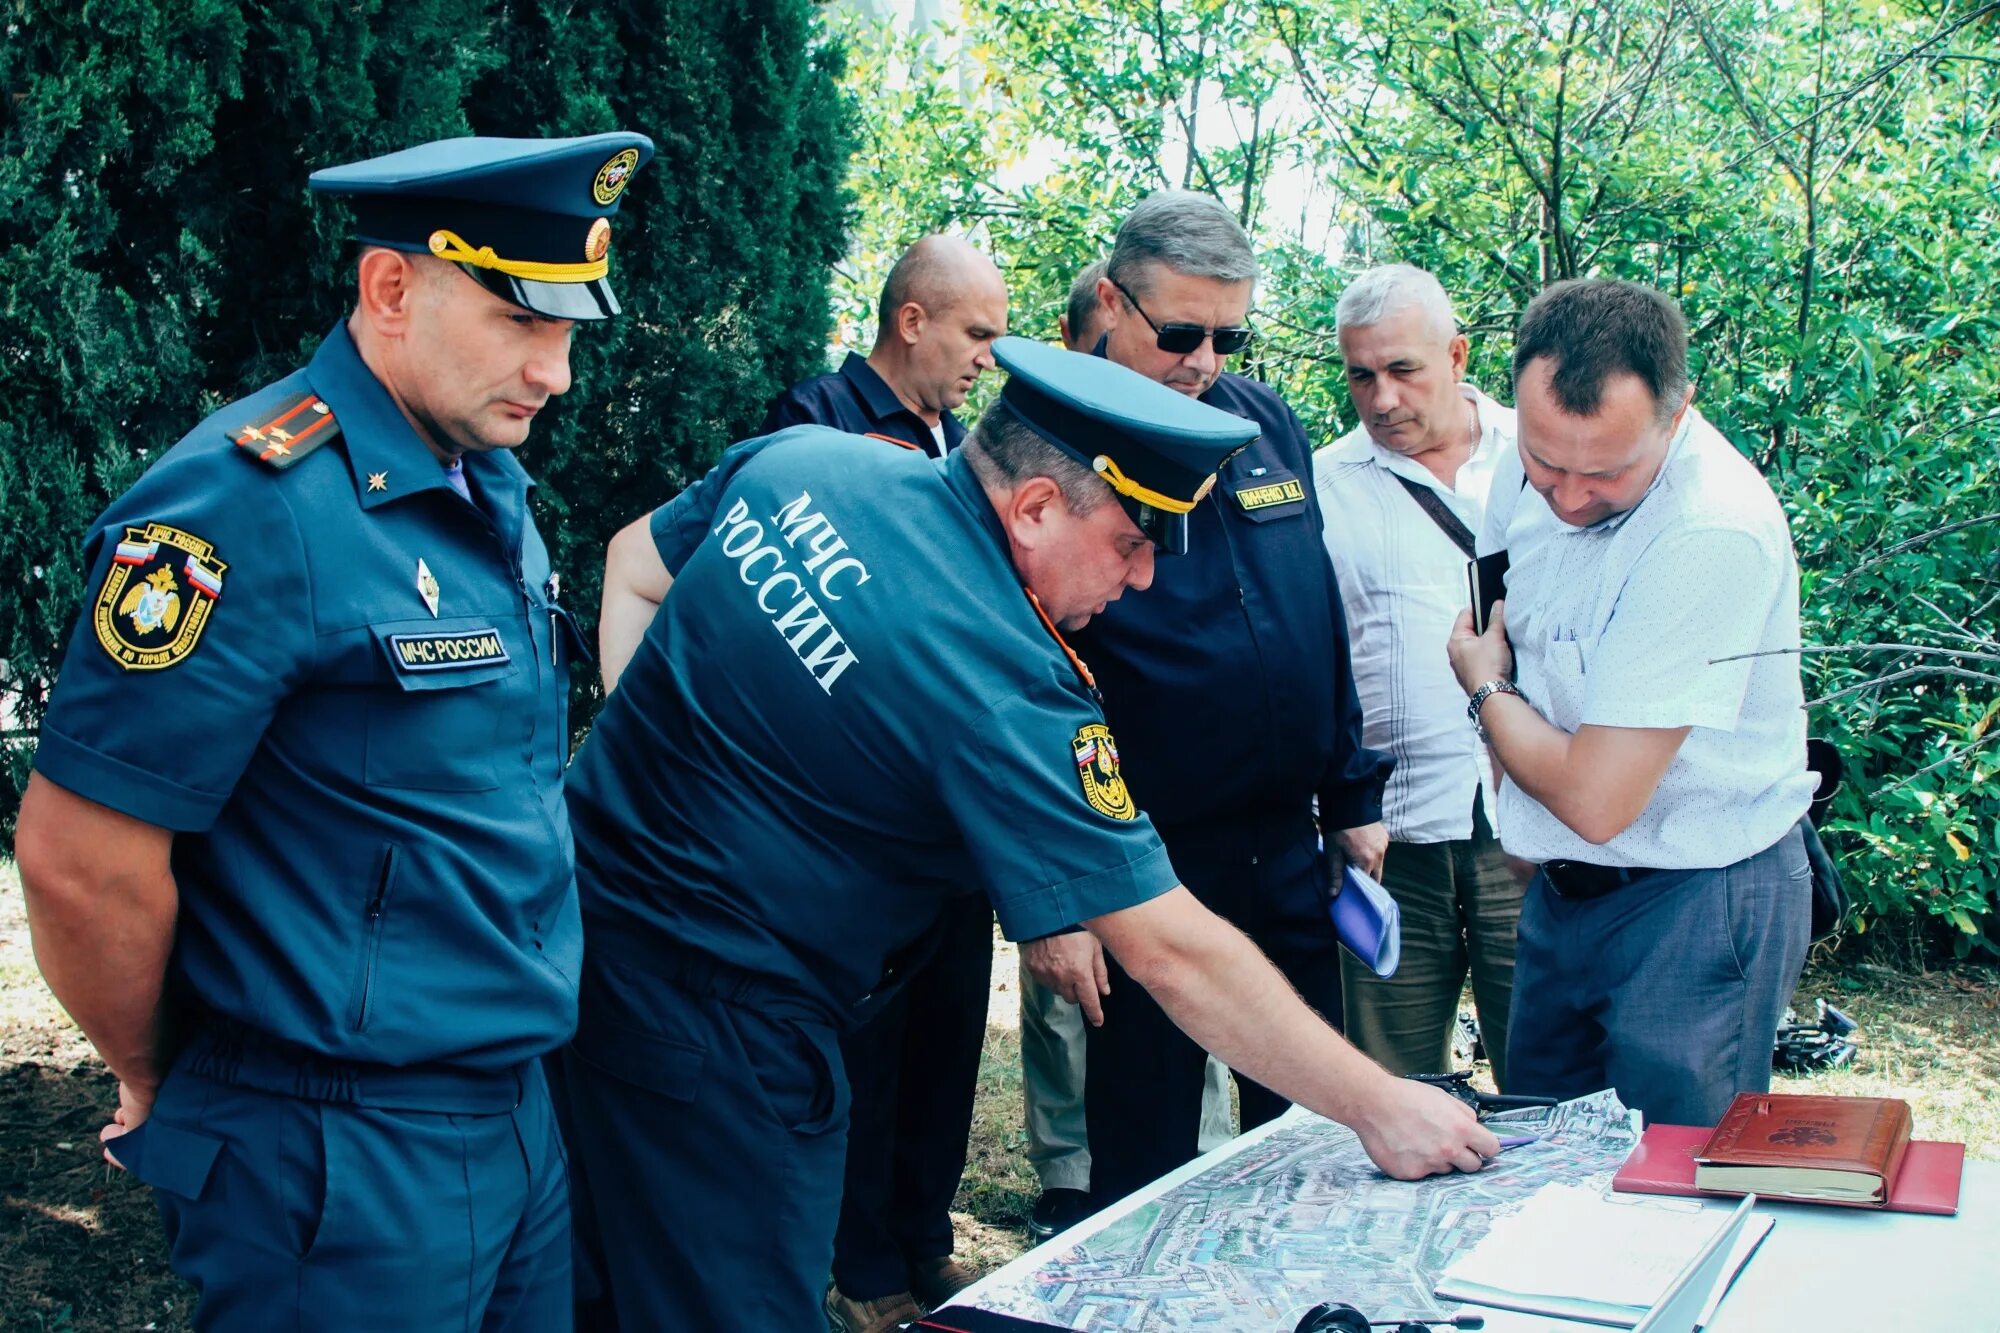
[(1180, 339)]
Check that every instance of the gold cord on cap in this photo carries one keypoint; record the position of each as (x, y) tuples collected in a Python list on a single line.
[(1125, 486), (450, 245)]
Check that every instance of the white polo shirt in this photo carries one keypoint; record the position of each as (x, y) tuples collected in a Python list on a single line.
[(1619, 625), (1402, 584)]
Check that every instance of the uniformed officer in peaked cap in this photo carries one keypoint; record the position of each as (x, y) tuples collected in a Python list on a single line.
[(842, 697), (295, 850)]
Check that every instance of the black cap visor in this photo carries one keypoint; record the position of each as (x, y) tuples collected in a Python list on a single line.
[(1167, 531), (556, 300)]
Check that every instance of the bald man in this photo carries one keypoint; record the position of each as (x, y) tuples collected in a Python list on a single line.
[(943, 305), (915, 1065)]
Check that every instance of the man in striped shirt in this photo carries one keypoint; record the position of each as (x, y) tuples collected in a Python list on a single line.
[(1403, 493)]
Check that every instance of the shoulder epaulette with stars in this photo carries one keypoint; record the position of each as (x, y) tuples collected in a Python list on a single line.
[(300, 425)]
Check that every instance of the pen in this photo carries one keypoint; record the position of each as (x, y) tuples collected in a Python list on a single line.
[(1518, 1141)]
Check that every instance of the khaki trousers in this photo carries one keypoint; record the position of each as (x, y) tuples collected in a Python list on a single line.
[(1461, 907), (1052, 1061)]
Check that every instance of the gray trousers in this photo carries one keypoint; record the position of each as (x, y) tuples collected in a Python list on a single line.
[(1052, 1061), (1460, 906), (1668, 990)]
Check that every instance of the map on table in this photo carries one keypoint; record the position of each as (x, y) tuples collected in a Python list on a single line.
[(1297, 1216)]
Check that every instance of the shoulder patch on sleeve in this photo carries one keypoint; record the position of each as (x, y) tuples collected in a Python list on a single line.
[(1097, 767), (157, 597), (294, 428)]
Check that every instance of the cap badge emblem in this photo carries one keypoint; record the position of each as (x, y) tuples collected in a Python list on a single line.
[(613, 176)]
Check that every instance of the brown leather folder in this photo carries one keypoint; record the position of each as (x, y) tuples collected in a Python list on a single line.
[(1663, 1163)]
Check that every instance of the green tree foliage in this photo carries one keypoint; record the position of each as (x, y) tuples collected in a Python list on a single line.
[(159, 253), (1818, 184), (722, 251)]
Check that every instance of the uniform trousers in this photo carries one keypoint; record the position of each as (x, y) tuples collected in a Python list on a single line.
[(708, 1123), (1668, 989), (1052, 1067), (914, 1070), (1460, 907), (1143, 1085), (286, 1212)]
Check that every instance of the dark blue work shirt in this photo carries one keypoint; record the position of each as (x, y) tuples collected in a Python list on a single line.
[(845, 713), (1228, 680), (860, 402), (362, 765)]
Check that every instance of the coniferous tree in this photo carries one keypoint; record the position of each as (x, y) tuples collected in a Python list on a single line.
[(722, 249), (160, 255)]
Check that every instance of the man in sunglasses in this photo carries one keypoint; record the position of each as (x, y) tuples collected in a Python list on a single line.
[(1227, 683)]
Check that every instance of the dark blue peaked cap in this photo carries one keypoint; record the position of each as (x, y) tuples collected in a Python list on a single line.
[(529, 219), (1158, 449)]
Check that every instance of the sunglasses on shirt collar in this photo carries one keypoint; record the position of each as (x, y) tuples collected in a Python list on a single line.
[(1179, 339)]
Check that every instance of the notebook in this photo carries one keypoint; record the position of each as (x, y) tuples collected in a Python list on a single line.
[(1663, 1163)]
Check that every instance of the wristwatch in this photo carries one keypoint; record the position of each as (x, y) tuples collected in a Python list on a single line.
[(1482, 694)]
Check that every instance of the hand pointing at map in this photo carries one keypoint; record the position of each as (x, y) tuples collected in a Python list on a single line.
[(1414, 1130), (1228, 997)]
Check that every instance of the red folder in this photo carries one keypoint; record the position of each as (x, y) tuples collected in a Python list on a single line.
[(1663, 1163)]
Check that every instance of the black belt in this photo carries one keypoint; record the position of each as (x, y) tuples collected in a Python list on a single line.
[(227, 1052), (1579, 880)]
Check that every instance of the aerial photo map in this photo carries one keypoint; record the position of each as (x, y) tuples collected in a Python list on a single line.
[(1298, 1216)]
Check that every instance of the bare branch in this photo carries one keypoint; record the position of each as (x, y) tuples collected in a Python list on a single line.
[(1895, 677), (1955, 628), (1955, 757), (1914, 542), (1814, 648)]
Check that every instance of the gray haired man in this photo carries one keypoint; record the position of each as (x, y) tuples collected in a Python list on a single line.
[(1227, 683), (1403, 494)]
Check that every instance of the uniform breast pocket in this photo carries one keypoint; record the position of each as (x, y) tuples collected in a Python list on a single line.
[(437, 723)]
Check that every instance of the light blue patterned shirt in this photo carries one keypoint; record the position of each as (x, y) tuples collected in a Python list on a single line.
[(1624, 623)]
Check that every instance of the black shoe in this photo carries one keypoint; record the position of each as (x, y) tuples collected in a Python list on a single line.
[(1058, 1210)]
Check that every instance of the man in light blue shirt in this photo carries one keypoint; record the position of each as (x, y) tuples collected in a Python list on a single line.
[(1640, 689)]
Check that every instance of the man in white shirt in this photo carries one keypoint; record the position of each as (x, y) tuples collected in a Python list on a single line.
[(1403, 497), (1403, 494), (1640, 689)]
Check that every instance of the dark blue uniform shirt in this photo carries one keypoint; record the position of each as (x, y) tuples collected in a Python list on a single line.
[(860, 402), (373, 854), (1228, 681), (845, 712)]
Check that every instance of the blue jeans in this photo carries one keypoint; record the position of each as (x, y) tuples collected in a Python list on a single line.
[(1669, 989)]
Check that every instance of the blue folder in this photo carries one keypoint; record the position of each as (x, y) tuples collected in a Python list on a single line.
[(1368, 922)]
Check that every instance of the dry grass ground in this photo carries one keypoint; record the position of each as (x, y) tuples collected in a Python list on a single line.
[(80, 1247)]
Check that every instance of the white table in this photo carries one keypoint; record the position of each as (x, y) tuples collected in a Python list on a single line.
[(1821, 1270), (1852, 1270)]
